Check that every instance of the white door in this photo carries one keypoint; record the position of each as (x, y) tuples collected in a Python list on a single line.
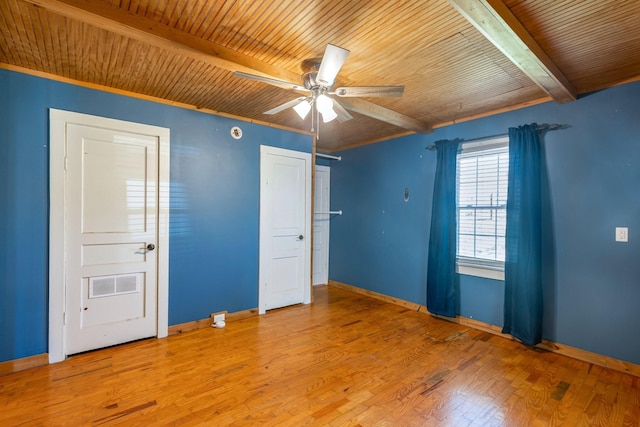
[(111, 236), (285, 222), (109, 222), (321, 225)]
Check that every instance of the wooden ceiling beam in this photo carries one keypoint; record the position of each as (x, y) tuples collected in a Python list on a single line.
[(500, 26), (120, 21)]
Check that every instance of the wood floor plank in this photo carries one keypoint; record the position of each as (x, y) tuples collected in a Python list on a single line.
[(345, 360)]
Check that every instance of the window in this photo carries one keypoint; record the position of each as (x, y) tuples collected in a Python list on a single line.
[(481, 194)]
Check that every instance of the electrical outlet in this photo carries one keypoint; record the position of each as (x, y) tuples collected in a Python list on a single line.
[(218, 318), (622, 234)]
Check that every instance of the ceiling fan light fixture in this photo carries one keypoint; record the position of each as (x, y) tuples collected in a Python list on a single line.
[(303, 108), (324, 104), (329, 115), (325, 107)]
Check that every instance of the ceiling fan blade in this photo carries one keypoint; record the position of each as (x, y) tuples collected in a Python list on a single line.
[(273, 82), (370, 91), (332, 61), (284, 106), (343, 115), (378, 112)]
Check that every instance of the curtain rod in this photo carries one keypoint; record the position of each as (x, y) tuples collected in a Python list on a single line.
[(328, 156), (552, 126)]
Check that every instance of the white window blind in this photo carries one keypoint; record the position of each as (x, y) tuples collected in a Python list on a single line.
[(481, 191)]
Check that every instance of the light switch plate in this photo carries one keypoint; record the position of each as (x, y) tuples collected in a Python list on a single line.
[(622, 234)]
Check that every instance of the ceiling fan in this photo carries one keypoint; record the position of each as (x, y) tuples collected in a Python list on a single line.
[(317, 85)]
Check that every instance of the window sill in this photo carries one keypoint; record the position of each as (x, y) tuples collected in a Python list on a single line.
[(487, 273)]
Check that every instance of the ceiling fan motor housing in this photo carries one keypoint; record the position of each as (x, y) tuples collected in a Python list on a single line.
[(309, 80)]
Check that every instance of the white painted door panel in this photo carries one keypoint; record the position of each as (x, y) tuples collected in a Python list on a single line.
[(111, 290), (285, 202), (321, 225)]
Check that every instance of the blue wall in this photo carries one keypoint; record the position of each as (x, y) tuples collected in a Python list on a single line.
[(592, 283), (213, 261)]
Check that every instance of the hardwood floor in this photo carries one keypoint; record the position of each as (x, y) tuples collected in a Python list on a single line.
[(345, 360)]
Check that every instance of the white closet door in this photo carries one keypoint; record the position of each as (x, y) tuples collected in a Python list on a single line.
[(321, 225)]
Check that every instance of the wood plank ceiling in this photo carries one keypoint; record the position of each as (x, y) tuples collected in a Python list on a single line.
[(454, 65)]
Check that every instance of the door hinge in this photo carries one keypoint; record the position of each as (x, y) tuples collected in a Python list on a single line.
[(65, 162), (64, 318)]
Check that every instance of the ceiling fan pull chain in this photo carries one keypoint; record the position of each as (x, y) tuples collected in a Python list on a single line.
[(317, 122)]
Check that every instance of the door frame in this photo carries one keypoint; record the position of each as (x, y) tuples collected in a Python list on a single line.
[(263, 256), (58, 120)]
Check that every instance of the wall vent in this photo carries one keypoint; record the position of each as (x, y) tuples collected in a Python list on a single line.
[(106, 286)]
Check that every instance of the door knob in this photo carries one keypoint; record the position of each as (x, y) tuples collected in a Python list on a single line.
[(300, 237), (151, 247)]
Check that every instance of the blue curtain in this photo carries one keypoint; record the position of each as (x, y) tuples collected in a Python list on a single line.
[(522, 270), (441, 272)]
